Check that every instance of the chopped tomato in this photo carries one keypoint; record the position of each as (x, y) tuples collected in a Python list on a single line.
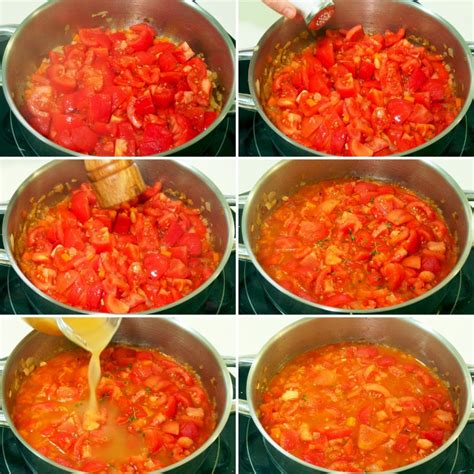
[(356, 244), (371, 414), (122, 93), (141, 255), (371, 82)]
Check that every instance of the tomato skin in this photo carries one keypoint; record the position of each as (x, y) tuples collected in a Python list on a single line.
[(94, 37), (80, 205), (366, 70), (114, 305), (345, 86), (392, 38), (325, 53), (122, 224), (59, 80), (163, 97), (73, 238), (156, 139), (100, 108), (192, 242), (400, 110), (155, 264), (144, 39), (84, 139)]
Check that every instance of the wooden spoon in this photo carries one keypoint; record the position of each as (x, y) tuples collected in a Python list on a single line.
[(114, 181)]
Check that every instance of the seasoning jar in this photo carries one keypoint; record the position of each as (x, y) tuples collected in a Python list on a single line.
[(316, 13)]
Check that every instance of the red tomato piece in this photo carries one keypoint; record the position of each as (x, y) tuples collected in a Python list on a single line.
[(59, 80), (156, 264), (400, 110), (80, 205)]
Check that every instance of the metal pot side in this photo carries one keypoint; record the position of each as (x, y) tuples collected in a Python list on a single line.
[(55, 23), (405, 334), (174, 175), (426, 178), (375, 16), (168, 336)]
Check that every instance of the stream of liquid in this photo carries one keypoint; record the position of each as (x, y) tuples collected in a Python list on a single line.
[(93, 335)]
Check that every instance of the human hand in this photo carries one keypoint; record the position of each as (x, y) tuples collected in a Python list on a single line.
[(282, 6)]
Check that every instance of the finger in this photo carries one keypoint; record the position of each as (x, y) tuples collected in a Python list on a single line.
[(283, 7)]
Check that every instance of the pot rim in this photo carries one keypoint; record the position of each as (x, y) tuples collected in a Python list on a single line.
[(412, 151), (463, 255), (409, 321), (217, 430), (62, 306), (66, 151)]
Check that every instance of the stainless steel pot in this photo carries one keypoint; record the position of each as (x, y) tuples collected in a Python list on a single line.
[(55, 23), (405, 334), (375, 16), (174, 175), (423, 177), (172, 338)]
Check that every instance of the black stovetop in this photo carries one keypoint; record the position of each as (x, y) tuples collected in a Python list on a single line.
[(220, 300), (220, 458), (255, 459), (13, 141), (255, 137)]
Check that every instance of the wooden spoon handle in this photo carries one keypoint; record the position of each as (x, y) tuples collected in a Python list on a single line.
[(114, 181)]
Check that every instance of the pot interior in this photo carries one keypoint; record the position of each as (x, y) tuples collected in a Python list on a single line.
[(174, 176), (403, 334), (58, 21), (429, 182), (168, 337)]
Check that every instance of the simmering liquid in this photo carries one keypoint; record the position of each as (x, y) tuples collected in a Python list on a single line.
[(93, 335)]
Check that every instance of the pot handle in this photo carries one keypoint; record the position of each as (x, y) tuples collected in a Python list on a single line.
[(3, 205), (231, 200), (4, 260), (6, 30), (3, 419), (246, 101), (243, 407), (471, 371), (470, 194), (470, 45), (244, 255)]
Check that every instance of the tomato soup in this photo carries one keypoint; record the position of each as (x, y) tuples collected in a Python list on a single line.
[(153, 411), (358, 408), (122, 93), (144, 254), (352, 93), (356, 244)]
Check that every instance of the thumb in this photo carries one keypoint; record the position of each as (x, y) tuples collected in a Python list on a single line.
[(283, 7)]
